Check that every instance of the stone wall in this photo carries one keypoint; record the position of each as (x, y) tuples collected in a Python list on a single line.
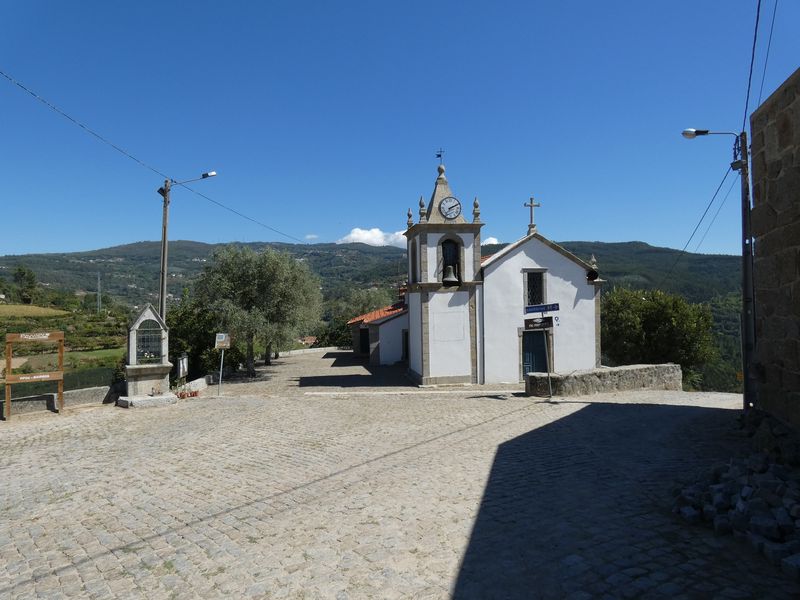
[(775, 156), (94, 395), (606, 379)]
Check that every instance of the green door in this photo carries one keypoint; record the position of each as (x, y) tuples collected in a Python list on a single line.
[(534, 352)]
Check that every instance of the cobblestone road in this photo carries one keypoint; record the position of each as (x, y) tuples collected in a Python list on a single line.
[(305, 484)]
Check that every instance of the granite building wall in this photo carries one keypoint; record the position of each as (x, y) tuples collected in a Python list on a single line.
[(775, 156)]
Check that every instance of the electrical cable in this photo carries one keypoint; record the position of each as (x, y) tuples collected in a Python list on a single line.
[(752, 60), (88, 130), (244, 216), (719, 208), (140, 162), (696, 227), (766, 58)]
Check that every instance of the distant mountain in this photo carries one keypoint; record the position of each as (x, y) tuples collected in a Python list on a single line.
[(130, 272)]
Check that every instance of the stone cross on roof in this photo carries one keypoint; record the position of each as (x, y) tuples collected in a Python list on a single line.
[(532, 224)]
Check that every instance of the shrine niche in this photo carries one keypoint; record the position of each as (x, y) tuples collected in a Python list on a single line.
[(148, 367)]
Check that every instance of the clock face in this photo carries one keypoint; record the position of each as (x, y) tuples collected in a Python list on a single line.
[(450, 207)]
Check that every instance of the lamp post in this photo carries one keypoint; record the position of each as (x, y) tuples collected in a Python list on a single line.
[(740, 163), (164, 191)]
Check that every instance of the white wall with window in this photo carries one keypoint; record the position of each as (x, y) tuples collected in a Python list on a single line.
[(534, 273)]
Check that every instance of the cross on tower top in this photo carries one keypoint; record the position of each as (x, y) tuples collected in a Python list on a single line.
[(532, 224), (440, 155)]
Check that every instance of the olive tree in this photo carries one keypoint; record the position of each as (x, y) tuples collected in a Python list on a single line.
[(258, 296)]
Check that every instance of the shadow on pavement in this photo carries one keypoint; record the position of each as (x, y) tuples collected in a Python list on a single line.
[(346, 359), (582, 506), (367, 375)]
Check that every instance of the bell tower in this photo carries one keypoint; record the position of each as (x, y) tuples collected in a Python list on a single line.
[(444, 256)]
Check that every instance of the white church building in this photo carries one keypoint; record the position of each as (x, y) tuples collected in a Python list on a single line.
[(533, 306)]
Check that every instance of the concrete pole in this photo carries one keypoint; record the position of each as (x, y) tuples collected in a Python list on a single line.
[(748, 305), (162, 295)]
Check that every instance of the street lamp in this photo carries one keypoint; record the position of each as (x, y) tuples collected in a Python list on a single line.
[(748, 315), (164, 191)]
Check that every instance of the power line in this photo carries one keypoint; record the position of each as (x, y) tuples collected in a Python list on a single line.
[(86, 128), (714, 218), (236, 212), (752, 60), (769, 45), (124, 152), (696, 227)]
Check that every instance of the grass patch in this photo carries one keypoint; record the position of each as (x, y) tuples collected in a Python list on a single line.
[(29, 310)]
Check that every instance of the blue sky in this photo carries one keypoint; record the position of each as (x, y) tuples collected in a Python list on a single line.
[(323, 117)]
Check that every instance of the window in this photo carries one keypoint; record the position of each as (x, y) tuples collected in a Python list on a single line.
[(534, 287), (450, 252), (414, 262), (148, 343)]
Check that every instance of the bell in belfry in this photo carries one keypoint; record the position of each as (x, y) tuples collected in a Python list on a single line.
[(449, 276)]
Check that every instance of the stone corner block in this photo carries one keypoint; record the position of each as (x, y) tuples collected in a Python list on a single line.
[(146, 401)]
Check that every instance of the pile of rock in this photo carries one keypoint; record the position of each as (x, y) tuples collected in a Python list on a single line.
[(756, 498)]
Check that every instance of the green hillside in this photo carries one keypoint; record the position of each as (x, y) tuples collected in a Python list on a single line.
[(130, 272)]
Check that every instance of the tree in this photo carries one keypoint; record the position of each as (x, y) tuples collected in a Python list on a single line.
[(655, 327), (262, 295), (192, 327), (336, 332), (25, 279)]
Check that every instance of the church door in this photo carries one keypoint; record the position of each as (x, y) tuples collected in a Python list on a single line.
[(534, 352)]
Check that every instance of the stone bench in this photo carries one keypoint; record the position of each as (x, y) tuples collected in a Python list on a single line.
[(606, 379)]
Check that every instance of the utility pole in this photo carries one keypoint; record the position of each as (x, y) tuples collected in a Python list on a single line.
[(748, 312), (162, 294), (98, 293), (748, 320), (164, 191)]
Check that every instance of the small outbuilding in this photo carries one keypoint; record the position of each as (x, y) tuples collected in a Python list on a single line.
[(382, 334)]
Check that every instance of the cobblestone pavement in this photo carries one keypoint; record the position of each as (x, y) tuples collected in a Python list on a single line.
[(305, 485)]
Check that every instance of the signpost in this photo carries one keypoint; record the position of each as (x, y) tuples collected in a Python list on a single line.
[(39, 337), (541, 308), (222, 341), (540, 324)]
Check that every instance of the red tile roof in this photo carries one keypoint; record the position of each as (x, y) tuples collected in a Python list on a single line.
[(378, 314)]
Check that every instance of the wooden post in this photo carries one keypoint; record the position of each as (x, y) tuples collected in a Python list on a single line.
[(58, 376), (61, 381), (7, 406)]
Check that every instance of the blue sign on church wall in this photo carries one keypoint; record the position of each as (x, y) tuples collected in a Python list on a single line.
[(541, 308)]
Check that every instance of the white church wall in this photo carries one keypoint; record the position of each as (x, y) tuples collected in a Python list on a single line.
[(414, 334), (433, 264), (504, 303), (469, 264), (391, 339), (449, 339), (480, 332)]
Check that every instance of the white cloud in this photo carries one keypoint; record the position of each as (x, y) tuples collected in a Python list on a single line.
[(312, 236), (374, 237), (490, 240)]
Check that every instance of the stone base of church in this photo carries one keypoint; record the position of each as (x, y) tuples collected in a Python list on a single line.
[(451, 380)]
